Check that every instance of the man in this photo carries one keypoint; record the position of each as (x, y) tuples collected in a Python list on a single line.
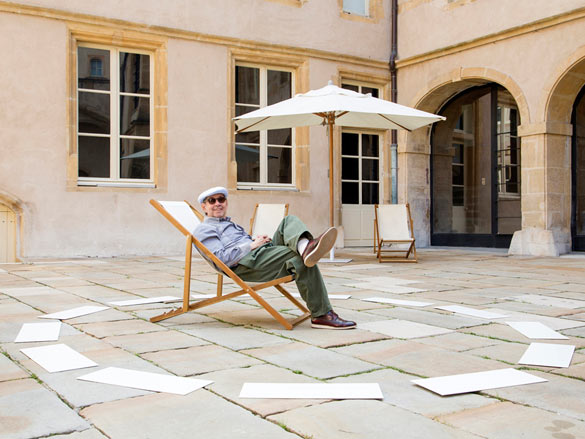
[(292, 249)]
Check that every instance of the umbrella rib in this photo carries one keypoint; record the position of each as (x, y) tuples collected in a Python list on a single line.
[(391, 121), (255, 123)]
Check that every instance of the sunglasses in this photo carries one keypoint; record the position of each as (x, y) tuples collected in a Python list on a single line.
[(212, 200)]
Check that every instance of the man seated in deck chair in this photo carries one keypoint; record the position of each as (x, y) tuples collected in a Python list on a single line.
[(292, 249)]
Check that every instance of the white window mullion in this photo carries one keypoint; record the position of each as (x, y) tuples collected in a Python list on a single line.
[(264, 133), (115, 115)]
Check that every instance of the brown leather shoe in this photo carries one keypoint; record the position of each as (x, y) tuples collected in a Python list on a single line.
[(319, 247), (331, 321)]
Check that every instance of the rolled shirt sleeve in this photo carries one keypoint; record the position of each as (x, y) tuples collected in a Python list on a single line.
[(225, 239)]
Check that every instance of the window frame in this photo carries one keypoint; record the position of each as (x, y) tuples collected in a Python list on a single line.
[(360, 157), (263, 184), (115, 136)]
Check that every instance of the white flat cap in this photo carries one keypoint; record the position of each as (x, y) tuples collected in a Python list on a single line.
[(214, 190)]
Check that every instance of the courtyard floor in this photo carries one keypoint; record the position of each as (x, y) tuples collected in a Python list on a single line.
[(237, 342)]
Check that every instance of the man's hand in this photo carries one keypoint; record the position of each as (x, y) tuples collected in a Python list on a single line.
[(260, 240)]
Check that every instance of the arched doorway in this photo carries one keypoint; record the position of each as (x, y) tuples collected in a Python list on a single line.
[(475, 170), (578, 174), (7, 235)]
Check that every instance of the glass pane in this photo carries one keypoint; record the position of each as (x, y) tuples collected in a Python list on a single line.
[(243, 109), (248, 159), (134, 73), (349, 144), (134, 116), (370, 170), (93, 68), (467, 206), (247, 85), (279, 86), (93, 157), (370, 193), (350, 87), (349, 168), (134, 158), (350, 193), (355, 7), (370, 145), (279, 165), (579, 164), (280, 137), (458, 175), (458, 195), (94, 113), (372, 91)]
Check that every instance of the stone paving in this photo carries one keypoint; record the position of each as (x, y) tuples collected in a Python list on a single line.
[(236, 342)]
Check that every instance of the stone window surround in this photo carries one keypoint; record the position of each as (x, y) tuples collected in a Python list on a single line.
[(128, 40)]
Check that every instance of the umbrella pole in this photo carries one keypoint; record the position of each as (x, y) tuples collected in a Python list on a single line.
[(331, 178)]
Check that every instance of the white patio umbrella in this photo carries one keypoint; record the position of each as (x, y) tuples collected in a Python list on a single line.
[(332, 105)]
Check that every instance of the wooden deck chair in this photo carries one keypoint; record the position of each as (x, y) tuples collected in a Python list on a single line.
[(393, 233), (267, 218), (184, 217)]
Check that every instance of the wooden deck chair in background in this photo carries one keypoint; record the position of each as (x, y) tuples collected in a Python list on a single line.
[(266, 219), (185, 218), (393, 233)]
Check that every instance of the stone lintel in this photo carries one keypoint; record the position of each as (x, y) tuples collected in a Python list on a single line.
[(552, 128)]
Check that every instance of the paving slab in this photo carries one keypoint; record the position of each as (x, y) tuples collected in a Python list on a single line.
[(189, 318), (9, 370), (505, 332), (154, 341), (234, 337), (458, 342), (198, 414), (398, 390), (310, 360), (97, 292), (199, 359), (326, 338), (121, 327), (559, 395), (419, 359), (90, 433), (511, 421), (228, 383), (364, 419), (429, 317), (28, 410)]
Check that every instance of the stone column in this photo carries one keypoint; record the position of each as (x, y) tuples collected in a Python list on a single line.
[(546, 190)]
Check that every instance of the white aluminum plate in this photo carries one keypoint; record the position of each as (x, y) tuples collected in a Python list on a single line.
[(57, 358), (38, 332)]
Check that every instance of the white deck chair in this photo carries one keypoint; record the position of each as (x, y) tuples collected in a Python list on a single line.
[(393, 233), (266, 218), (185, 218)]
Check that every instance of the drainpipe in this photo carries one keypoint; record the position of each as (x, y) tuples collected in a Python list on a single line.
[(393, 97)]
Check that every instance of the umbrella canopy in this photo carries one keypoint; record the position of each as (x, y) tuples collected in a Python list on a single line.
[(345, 107), (332, 105)]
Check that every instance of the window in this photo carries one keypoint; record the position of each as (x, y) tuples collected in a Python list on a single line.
[(264, 158), (114, 108), (358, 7), (360, 168), (508, 150)]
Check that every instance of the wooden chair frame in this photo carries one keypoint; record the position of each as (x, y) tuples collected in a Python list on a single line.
[(253, 219), (394, 255), (224, 270)]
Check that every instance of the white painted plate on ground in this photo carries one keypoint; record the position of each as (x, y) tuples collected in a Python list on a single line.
[(550, 355), (477, 381), (536, 330), (38, 332), (74, 312), (57, 358), (397, 301), (312, 390), (136, 379), (144, 301), (471, 311), (403, 329)]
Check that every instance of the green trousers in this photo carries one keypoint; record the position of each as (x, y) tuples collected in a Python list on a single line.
[(279, 258)]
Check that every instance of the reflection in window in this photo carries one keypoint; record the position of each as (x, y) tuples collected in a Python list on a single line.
[(360, 168), (114, 114), (263, 157), (358, 7)]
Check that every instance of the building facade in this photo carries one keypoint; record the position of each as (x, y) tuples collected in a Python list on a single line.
[(105, 105)]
